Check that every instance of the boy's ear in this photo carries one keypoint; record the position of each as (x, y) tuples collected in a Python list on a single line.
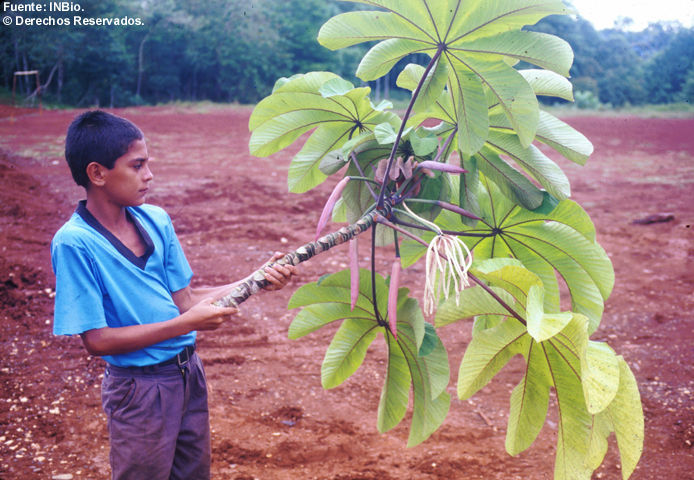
[(96, 173)]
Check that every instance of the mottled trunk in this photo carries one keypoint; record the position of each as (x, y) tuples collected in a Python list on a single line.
[(256, 281)]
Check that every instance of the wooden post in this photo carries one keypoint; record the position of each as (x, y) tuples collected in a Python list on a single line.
[(23, 73)]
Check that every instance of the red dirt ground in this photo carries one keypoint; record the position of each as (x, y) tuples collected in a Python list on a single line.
[(271, 418)]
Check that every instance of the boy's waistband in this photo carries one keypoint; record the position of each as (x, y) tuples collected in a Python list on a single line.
[(180, 360)]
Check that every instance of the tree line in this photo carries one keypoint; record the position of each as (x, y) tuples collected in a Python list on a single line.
[(234, 50)]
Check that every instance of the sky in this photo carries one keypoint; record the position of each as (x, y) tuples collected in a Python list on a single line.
[(603, 13)]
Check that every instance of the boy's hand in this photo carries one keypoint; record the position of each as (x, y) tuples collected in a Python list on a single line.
[(207, 316), (278, 275)]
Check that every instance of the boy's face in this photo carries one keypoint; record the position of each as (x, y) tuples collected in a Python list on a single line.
[(127, 183)]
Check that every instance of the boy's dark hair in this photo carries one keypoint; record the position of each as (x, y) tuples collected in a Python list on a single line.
[(97, 136)]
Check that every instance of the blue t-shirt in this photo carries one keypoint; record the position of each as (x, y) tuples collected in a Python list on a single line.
[(101, 283)]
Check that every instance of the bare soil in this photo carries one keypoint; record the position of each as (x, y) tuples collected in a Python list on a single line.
[(270, 417)]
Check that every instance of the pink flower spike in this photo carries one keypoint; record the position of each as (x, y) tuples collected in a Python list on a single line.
[(353, 272), (393, 298), (442, 167), (329, 205)]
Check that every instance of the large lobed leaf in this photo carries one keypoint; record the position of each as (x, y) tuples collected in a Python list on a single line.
[(417, 360), (595, 390), (474, 41), (333, 108), (560, 241)]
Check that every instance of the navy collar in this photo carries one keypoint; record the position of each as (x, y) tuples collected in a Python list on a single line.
[(139, 262)]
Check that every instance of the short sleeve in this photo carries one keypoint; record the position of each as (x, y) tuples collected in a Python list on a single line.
[(78, 297), (178, 271)]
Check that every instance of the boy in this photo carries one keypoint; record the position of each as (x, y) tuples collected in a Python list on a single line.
[(123, 285)]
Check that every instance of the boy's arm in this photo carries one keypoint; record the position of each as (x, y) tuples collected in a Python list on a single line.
[(197, 313), (116, 341)]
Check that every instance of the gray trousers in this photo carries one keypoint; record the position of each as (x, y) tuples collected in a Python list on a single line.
[(158, 421)]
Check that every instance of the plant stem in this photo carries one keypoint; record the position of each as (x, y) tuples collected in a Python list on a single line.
[(367, 180), (446, 144), (496, 297), (446, 206), (256, 281), (415, 94), (421, 225), (447, 232), (361, 172)]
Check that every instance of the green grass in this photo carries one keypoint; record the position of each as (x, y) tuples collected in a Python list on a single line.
[(400, 101), (669, 110)]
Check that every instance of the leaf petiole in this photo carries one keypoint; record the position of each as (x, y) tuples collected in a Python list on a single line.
[(415, 94), (361, 172)]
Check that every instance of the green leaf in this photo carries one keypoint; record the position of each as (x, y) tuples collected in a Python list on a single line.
[(304, 171), (385, 134), (513, 93), (470, 107), (427, 416), (626, 417), (546, 51), (511, 183), (332, 162), (508, 274), (563, 359), (548, 83), (286, 89), (335, 87), (383, 56), (600, 376), (347, 351), (564, 139), (473, 301), (529, 404), (534, 162), (432, 88), (313, 317), (423, 143), (334, 288), (573, 429), (315, 101), (430, 376), (417, 359), (475, 41), (352, 28), (429, 341), (469, 190), (396, 389), (543, 326), (483, 322), (487, 353), (503, 140), (559, 242)]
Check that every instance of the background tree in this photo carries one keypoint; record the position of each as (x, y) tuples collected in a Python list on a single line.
[(668, 70), (232, 51)]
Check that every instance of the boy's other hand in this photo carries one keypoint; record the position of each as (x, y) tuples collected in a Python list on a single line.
[(207, 316), (278, 275)]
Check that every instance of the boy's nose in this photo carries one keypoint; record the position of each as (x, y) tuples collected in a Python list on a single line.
[(148, 175)]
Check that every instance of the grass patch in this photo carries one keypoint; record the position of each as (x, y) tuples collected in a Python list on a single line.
[(668, 110)]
